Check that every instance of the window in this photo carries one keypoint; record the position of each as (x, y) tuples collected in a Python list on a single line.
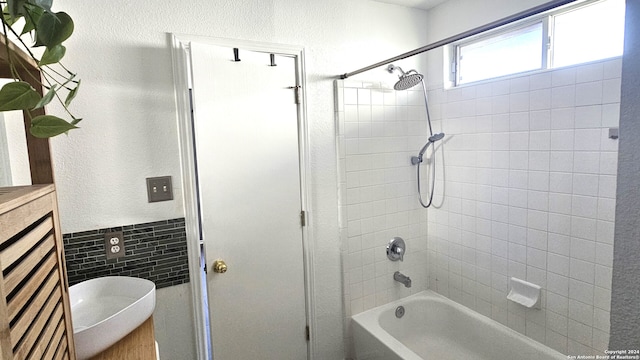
[(569, 36)]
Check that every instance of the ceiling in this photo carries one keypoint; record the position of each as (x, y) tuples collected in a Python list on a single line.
[(420, 4)]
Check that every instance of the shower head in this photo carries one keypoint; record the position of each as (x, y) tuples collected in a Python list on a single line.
[(436, 137), (406, 80)]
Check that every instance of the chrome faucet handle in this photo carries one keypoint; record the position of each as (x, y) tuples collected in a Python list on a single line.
[(396, 249)]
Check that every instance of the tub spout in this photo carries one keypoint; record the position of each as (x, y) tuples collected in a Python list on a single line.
[(399, 277)]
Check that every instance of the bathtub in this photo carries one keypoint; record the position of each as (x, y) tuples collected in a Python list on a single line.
[(434, 327)]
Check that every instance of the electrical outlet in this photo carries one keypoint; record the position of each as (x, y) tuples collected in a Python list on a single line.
[(159, 189), (114, 244)]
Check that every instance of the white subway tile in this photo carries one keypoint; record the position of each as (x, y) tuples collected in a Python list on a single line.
[(606, 209), (540, 120), (580, 332), (588, 162), (561, 161), (558, 284), (583, 228), (518, 160), (602, 298), (562, 140), (538, 180), (589, 72), (603, 276), (605, 230), (519, 102), (565, 76), (559, 244), (585, 184), (588, 116), (540, 81), (559, 223), (587, 139), (613, 68), (557, 264), (561, 204), (581, 312), (563, 96), (582, 270), (604, 254), (539, 200), (608, 163), (556, 341), (584, 206), (519, 141), (539, 161), (537, 258), (589, 93), (611, 91), (519, 121), (540, 99), (611, 115), (581, 291), (561, 182)]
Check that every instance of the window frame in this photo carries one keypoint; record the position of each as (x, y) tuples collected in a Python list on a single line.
[(452, 53)]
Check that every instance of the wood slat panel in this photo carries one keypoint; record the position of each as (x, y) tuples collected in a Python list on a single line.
[(21, 298), (37, 303), (55, 342), (45, 340), (15, 196), (19, 248), (64, 282), (21, 218), (62, 352), (23, 269), (19, 329), (5, 333), (54, 310)]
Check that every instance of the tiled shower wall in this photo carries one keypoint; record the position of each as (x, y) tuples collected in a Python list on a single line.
[(378, 131), (529, 186)]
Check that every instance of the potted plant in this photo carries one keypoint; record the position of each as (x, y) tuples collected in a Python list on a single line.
[(47, 30)]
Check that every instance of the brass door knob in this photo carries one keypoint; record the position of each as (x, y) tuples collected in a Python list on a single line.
[(219, 266)]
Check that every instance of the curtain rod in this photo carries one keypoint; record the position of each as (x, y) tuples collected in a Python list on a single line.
[(490, 26)]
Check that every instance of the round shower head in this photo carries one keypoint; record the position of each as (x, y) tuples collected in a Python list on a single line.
[(436, 137), (408, 81)]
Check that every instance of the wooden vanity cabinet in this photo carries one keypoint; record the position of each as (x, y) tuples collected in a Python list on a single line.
[(35, 316)]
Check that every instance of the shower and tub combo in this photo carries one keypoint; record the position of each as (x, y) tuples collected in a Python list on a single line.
[(430, 326), (407, 80)]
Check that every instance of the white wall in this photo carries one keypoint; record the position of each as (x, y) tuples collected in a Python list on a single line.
[(121, 51)]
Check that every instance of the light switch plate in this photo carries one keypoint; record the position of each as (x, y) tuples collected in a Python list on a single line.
[(159, 189)]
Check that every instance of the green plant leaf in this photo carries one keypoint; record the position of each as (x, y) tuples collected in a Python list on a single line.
[(46, 98), (7, 16), (31, 18), (72, 94), (43, 4), (18, 95), (52, 55), (45, 126), (53, 29), (16, 7)]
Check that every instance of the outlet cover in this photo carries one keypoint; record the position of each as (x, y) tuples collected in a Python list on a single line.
[(159, 189), (114, 244)]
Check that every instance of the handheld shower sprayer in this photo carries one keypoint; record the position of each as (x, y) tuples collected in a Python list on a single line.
[(407, 80)]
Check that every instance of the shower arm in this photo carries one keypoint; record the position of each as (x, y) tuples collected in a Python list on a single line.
[(475, 31)]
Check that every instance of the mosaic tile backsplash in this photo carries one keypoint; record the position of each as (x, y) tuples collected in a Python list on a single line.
[(156, 251)]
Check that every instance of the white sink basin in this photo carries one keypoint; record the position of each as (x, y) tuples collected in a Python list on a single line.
[(106, 309)]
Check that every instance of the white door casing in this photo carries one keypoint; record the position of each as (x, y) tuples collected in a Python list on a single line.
[(247, 143)]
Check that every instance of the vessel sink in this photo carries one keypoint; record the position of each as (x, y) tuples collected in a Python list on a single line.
[(106, 309)]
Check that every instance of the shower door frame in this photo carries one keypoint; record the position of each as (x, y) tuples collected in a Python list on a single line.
[(181, 72)]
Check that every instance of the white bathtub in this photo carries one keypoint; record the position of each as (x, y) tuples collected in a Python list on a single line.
[(434, 327)]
